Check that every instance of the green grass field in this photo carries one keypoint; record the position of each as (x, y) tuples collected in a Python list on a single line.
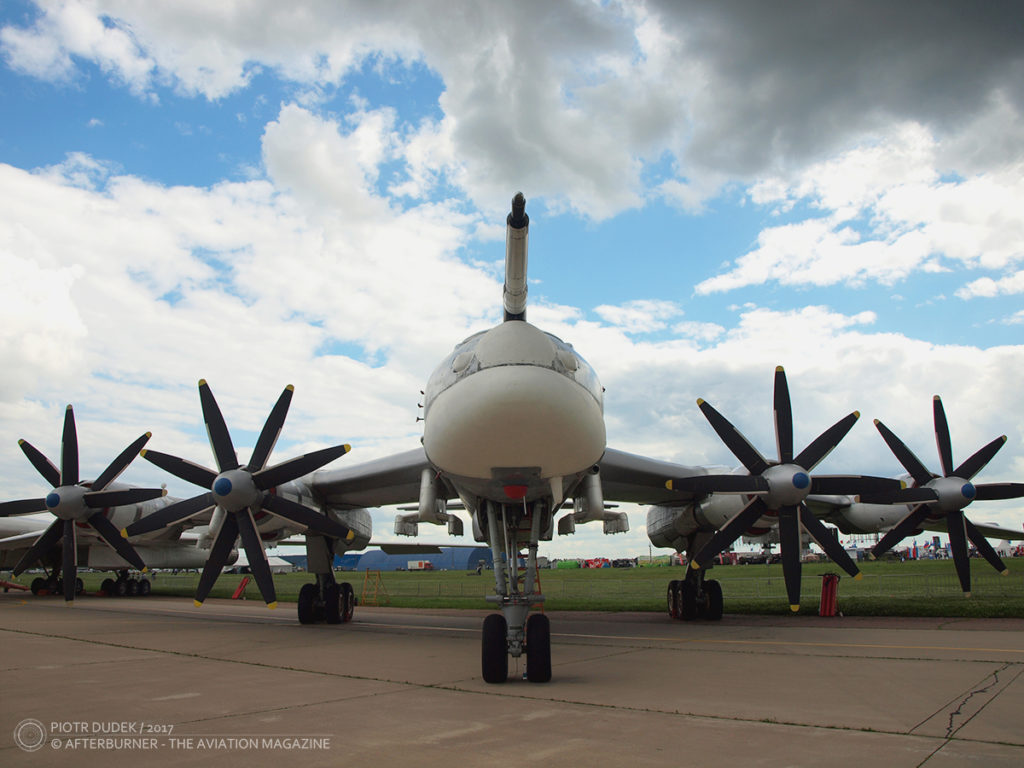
[(921, 588)]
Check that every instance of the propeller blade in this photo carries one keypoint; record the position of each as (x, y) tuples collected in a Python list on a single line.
[(783, 417), (295, 468), (901, 530), (823, 444), (43, 544), (734, 441), (997, 491), (904, 455), (103, 499), (218, 558), (69, 450), (257, 557), (981, 457), (904, 496), (304, 516), (729, 532), (186, 470), (955, 527), (789, 542), (828, 542), (112, 536), (42, 464), (220, 438), (120, 464), (942, 439), (271, 431), (22, 507), (719, 484), (984, 548), (854, 485), (169, 515), (69, 569)]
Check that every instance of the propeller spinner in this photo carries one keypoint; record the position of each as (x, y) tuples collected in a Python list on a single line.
[(242, 492), (74, 503), (954, 491)]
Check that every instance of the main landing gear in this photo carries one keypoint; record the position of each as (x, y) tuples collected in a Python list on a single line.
[(514, 632), (326, 601), (695, 597)]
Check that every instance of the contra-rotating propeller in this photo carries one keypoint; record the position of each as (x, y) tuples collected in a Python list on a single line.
[(779, 488), (954, 490), (242, 492), (76, 503)]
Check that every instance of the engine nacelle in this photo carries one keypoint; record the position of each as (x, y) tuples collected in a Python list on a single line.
[(673, 527), (867, 518)]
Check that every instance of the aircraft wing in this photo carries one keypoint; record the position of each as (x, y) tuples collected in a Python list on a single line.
[(988, 530), (19, 533), (641, 480), (390, 480)]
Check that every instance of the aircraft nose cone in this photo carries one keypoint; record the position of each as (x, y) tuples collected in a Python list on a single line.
[(222, 487)]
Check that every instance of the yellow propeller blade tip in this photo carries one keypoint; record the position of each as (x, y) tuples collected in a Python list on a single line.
[(856, 414), (149, 435), (794, 608), (142, 452), (145, 570), (347, 447), (967, 594), (700, 401), (202, 382), (197, 603), (290, 387), (1005, 573), (124, 533), (21, 441), (872, 555), (668, 484), (272, 605), (695, 565), (351, 535), (859, 576)]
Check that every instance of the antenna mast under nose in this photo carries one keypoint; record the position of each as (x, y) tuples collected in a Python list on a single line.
[(517, 235)]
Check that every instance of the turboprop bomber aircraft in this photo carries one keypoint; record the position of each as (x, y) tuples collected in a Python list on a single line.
[(513, 432)]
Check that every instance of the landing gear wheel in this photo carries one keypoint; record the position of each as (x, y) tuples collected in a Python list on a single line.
[(79, 587), (494, 649), (55, 586), (133, 587), (121, 587), (538, 648), (38, 585), (348, 601), (107, 587), (145, 587), (688, 601), (332, 604), (307, 595), (673, 599), (713, 593)]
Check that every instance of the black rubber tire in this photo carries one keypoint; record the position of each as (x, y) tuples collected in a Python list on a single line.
[(307, 596), (348, 601), (494, 649), (133, 587), (687, 601), (145, 587), (538, 648), (713, 592), (79, 587), (121, 588), (673, 598), (107, 587), (38, 585), (332, 604)]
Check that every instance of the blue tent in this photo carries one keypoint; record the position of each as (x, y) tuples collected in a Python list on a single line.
[(450, 559)]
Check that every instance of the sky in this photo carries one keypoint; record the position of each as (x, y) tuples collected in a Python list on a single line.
[(314, 193)]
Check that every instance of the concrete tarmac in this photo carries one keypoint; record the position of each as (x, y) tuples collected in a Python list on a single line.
[(158, 682)]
